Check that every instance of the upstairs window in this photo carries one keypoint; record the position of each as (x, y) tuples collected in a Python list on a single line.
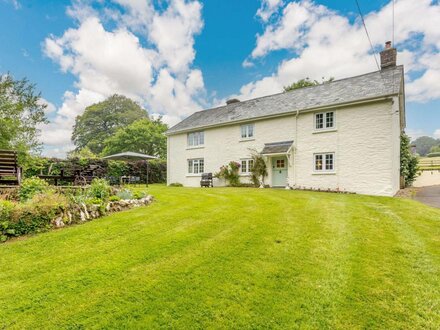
[(196, 166), (246, 166), (325, 162), (247, 131), (325, 120), (196, 139)]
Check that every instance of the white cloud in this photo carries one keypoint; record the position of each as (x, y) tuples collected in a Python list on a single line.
[(437, 133), (268, 8), (50, 107), (173, 33), (325, 43), (289, 31), (108, 61)]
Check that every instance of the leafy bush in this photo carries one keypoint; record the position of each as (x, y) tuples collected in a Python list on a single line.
[(99, 188), (139, 194), (117, 168), (175, 184), (434, 154), (408, 161), (230, 173), (32, 186), (258, 170), (33, 216), (6, 208), (114, 198), (94, 201), (125, 194)]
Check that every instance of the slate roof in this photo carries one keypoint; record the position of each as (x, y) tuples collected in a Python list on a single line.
[(367, 86), (276, 147)]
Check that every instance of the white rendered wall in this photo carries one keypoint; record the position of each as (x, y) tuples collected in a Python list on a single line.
[(365, 142)]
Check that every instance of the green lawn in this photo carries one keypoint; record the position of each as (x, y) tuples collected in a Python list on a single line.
[(232, 258)]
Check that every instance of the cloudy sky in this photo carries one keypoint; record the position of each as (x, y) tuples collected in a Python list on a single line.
[(176, 57)]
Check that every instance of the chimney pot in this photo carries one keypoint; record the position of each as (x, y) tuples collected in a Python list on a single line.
[(388, 56)]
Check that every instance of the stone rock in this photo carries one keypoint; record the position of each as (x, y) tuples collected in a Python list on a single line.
[(58, 222), (82, 216), (86, 213)]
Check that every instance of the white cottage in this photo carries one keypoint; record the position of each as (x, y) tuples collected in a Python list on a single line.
[(343, 135)]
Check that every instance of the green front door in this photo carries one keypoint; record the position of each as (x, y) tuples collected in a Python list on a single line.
[(279, 171)]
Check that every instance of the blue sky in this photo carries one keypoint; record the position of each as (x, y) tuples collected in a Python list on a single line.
[(187, 56)]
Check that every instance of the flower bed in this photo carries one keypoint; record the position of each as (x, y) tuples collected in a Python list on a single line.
[(35, 207)]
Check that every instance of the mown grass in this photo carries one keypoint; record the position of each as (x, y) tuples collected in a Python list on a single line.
[(232, 258)]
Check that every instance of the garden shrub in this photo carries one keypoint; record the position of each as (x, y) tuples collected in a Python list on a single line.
[(99, 188), (94, 201), (230, 173), (408, 161), (434, 154), (114, 198), (32, 186), (175, 184), (258, 170), (139, 194), (125, 194), (33, 216)]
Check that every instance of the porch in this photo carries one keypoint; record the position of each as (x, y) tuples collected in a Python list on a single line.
[(279, 160)]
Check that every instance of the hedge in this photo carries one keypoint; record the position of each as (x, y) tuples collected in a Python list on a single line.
[(110, 169)]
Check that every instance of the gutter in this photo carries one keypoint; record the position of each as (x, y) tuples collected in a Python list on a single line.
[(287, 113)]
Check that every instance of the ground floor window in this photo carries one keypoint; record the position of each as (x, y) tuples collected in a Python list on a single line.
[(196, 166), (324, 162), (246, 166)]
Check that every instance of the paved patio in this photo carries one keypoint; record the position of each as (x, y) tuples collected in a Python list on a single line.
[(429, 195)]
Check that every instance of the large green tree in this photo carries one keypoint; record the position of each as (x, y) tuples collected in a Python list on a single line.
[(424, 144), (144, 136), (21, 111), (101, 121)]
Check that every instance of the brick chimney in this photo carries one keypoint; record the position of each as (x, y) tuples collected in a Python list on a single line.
[(388, 56)]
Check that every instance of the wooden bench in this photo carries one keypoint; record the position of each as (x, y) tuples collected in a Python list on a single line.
[(206, 180), (10, 172)]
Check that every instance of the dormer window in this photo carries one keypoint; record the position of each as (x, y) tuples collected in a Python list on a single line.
[(196, 139), (324, 120), (247, 131)]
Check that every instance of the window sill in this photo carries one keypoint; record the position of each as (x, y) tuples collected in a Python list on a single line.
[(246, 140), (245, 174), (324, 173), (198, 147), (324, 130), (194, 175)]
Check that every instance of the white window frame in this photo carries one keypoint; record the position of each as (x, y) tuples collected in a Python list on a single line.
[(194, 164), (195, 139), (248, 162), (324, 156), (324, 121), (247, 129)]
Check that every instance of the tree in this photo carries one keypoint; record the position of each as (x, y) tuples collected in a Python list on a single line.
[(435, 149), (424, 144), (144, 136), (101, 121), (408, 161), (21, 111), (306, 82)]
